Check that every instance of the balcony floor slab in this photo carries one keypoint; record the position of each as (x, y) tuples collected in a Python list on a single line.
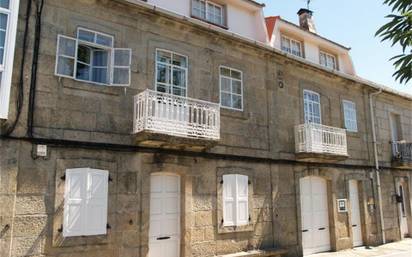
[(156, 140), (320, 157)]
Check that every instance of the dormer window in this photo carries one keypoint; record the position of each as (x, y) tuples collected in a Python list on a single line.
[(208, 11), (328, 60), (291, 46)]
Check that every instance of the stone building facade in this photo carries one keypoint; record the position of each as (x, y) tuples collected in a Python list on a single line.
[(85, 125)]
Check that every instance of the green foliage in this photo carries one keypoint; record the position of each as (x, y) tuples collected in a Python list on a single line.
[(399, 31)]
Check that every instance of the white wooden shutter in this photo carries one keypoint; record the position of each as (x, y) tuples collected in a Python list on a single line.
[(96, 206), (229, 200), (242, 200), (74, 202), (66, 56), (121, 61)]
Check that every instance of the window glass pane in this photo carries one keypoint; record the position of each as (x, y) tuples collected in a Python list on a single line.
[(179, 60), (179, 91), (236, 74), (236, 87), (225, 84), (225, 72), (67, 47), (3, 21), (226, 99), (121, 76), (83, 71), (100, 75), (104, 40), (84, 54), (122, 57), (5, 4), (65, 66), (162, 88), (100, 58), (165, 57), (237, 101), (179, 77), (163, 73), (86, 35)]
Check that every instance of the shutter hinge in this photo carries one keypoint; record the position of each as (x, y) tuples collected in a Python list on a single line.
[(110, 179), (63, 177), (249, 182), (221, 182), (222, 221), (60, 230), (108, 226), (250, 218)]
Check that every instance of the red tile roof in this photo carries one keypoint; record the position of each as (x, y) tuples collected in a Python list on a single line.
[(270, 24)]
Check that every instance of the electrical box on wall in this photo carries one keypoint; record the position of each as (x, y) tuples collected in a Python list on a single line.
[(40, 151)]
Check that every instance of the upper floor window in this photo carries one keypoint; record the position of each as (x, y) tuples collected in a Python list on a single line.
[(291, 46), (91, 58), (171, 72), (209, 11), (311, 101), (231, 88), (328, 60), (8, 29), (85, 202), (349, 112), (235, 200)]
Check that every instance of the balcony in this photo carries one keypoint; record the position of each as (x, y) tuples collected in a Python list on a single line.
[(316, 142), (169, 121), (402, 154)]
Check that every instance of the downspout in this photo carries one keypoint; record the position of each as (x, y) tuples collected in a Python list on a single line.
[(376, 158)]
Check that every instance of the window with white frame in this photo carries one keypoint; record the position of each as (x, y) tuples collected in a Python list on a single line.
[(291, 46), (8, 29), (311, 102), (85, 202), (235, 200), (209, 11), (328, 60), (91, 57), (231, 88), (349, 112), (171, 72)]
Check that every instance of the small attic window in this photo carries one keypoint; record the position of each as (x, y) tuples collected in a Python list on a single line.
[(209, 11)]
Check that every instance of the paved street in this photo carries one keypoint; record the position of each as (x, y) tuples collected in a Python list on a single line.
[(398, 249)]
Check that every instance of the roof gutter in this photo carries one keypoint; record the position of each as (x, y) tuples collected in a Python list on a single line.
[(377, 168)]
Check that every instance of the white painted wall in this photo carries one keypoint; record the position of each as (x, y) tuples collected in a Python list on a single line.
[(243, 18), (312, 45)]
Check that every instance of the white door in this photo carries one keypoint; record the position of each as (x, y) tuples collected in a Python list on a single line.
[(403, 220), (315, 216), (355, 213), (164, 230)]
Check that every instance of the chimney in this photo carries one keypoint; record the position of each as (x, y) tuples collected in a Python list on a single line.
[(306, 20)]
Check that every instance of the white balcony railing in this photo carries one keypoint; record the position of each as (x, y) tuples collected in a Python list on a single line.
[(168, 114), (317, 138)]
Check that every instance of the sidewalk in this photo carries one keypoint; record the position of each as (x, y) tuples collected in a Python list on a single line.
[(397, 249)]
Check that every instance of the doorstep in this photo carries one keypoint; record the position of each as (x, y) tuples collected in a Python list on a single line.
[(258, 253)]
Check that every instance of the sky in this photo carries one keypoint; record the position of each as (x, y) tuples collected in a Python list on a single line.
[(352, 23)]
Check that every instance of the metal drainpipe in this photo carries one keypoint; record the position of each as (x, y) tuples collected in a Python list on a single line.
[(376, 157)]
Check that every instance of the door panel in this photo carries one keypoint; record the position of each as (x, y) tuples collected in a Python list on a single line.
[(164, 230), (403, 219), (315, 217), (355, 213)]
